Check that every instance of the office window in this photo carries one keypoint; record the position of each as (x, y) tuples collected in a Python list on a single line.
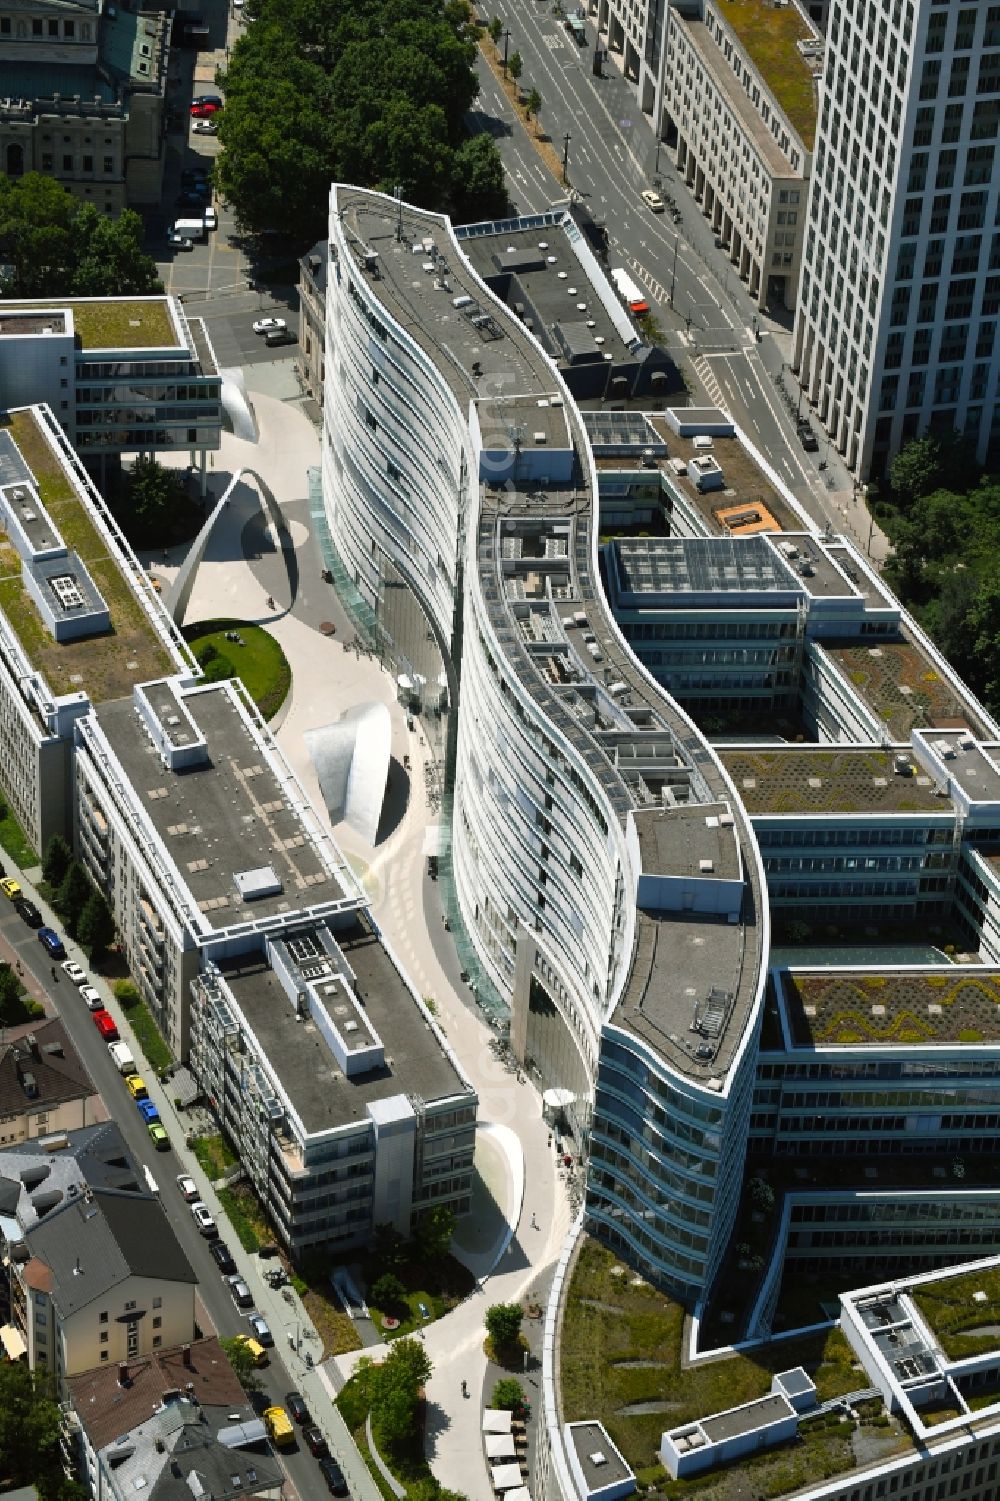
[(69, 28), (104, 1336), (88, 164), (109, 164), (4, 26), (36, 27), (157, 1302), (67, 162)]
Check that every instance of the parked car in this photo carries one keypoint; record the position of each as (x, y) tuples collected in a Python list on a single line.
[(159, 1137), (211, 218), (29, 912), (191, 201), (222, 1256), (203, 1218), (333, 1475), (76, 972), (314, 1441), (267, 325), (261, 1331), (179, 242), (188, 1188), (296, 1404), (280, 336), (148, 1111), (241, 1294), (653, 201), (204, 111), (205, 127), (93, 997), (137, 1089), (213, 99), (10, 888), (105, 1024), (808, 439), (51, 943)]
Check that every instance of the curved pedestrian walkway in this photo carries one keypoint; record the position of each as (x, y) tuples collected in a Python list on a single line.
[(242, 567)]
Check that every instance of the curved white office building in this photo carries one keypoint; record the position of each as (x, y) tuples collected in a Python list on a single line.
[(605, 869)]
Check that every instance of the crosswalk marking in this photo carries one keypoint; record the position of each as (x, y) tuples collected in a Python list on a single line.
[(703, 370)]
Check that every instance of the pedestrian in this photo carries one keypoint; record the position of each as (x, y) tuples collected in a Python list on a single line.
[(534, 1222)]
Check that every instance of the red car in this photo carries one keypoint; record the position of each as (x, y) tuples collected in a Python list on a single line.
[(105, 1024), (204, 111)]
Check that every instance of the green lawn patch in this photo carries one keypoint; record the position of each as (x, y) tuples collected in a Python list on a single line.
[(215, 1155), (15, 840), (245, 1221), (259, 662), (621, 1355), (408, 1313), (147, 1033)]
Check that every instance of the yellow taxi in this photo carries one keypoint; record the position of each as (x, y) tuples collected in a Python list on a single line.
[(10, 888), (136, 1087)]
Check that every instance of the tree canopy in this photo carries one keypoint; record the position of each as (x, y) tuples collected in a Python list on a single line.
[(319, 91), (943, 519), (58, 246), (29, 1435), (503, 1324), (242, 1360)]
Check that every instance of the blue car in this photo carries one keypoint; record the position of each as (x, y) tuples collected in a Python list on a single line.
[(51, 942), (148, 1111)]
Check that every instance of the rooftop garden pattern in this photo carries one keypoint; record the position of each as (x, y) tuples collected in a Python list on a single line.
[(903, 687), (928, 1006), (116, 322), (106, 666), (770, 36), (961, 1312), (795, 780), (620, 1364)]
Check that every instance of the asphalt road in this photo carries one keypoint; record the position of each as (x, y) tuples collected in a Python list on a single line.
[(709, 318), (222, 1313), (212, 279)]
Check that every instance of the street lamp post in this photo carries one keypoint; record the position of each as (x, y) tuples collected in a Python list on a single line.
[(506, 40), (673, 271), (566, 140)]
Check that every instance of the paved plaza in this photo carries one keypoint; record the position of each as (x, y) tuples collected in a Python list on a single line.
[(518, 1185)]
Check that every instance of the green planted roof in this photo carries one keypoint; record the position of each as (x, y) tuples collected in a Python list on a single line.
[(770, 37), (114, 322)]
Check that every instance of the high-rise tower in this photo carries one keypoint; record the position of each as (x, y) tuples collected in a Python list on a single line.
[(900, 291)]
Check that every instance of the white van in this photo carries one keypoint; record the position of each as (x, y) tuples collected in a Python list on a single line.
[(191, 229), (121, 1057)]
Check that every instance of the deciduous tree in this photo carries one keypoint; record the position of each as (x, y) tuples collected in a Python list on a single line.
[(503, 1324), (434, 1230), (96, 928), (56, 859), (72, 896), (242, 1361)]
